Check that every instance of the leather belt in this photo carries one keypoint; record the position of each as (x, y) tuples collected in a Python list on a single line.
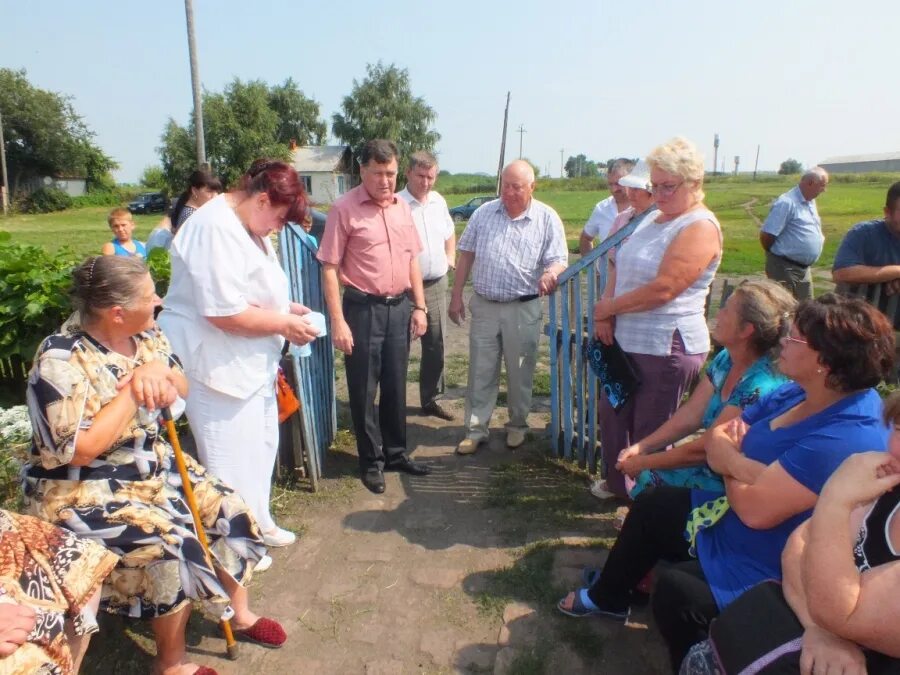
[(523, 298), (358, 296), (431, 282)]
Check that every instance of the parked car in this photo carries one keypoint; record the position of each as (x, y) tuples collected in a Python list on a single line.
[(465, 211), (149, 202)]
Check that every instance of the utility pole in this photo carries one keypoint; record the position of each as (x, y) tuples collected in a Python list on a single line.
[(737, 163), (195, 86), (4, 190), (561, 151), (503, 144), (521, 131), (715, 153), (756, 163)]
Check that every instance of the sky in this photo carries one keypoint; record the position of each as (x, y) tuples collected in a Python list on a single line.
[(798, 78)]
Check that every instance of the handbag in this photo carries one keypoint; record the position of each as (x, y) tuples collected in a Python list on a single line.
[(619, 378), (288, 403), (759, 633)]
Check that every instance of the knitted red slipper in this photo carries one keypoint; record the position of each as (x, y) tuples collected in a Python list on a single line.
[(265, 632)]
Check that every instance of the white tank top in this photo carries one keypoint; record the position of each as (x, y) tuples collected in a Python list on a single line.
[(637, 264)]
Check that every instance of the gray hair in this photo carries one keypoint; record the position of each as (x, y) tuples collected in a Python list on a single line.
[(769, 308), (422, 158), (816, 173), (623, 165), (104, 281)]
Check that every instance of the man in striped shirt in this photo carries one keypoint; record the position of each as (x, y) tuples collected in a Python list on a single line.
[(515, 247)]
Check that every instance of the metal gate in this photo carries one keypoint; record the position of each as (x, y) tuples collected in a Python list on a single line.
[(313, 430)]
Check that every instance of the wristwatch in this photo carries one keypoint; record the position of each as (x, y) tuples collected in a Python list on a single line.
[(424, 309)]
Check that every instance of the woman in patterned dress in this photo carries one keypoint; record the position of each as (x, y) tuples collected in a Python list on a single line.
[(100, 468), (49, 592)]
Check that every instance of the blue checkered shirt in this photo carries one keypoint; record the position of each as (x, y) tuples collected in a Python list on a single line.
[(511, 254)]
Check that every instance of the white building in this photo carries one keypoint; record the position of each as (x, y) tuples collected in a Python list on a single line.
[(886, 161), (327, 171)]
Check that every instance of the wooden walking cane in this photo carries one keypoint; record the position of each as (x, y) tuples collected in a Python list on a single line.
[(231, 647)]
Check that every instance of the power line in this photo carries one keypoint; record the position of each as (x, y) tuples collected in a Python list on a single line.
[(521, 131)]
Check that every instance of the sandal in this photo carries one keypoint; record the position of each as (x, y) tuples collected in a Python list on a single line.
[(589, 575), (582, 606), (265, 632)]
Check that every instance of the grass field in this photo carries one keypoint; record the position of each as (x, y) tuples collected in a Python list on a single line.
[(846, 202)]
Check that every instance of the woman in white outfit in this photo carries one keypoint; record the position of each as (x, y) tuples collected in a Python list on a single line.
[(227, 315)]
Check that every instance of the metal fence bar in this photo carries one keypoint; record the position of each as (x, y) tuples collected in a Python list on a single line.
[(591, 382), (555, 439), (577, 337), (566, 363)]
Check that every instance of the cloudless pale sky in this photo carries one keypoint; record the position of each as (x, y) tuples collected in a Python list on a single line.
[(802, 78)]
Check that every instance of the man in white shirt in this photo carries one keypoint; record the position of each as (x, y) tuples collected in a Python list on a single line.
[(435, 226), (605, 212)]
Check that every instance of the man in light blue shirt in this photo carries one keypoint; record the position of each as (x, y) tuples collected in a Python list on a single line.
[(792, 234)]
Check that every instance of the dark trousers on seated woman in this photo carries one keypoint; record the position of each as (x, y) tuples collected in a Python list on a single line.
[(683, 604)]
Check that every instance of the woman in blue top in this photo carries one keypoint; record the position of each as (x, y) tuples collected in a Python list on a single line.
[(774, 461), (749, 327)]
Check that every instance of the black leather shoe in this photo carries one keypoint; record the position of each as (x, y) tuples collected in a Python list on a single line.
[(373, 479), (434, 409), (406, 465)]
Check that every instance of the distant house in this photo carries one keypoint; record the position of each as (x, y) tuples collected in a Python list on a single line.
[(887, 161), (327, 171), (74, 186)]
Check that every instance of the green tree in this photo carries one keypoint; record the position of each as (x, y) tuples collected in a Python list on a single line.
[(45, 136), (790, 166), (246, 121), (298, 116), (383, 106), (578, 166), (153, 177)]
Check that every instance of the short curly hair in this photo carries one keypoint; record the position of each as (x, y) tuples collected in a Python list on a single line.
[(680, 157), (854, 340)]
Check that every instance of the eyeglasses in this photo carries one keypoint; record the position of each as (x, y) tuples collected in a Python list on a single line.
[(788, 338), (665, 189)]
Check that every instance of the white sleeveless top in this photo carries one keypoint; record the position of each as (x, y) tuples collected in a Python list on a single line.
[(637, 264)]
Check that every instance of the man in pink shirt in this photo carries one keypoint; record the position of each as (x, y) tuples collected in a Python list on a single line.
[(371, 247)]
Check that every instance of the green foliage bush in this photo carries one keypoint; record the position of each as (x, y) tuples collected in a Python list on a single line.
[(160, 269), (117, 196), (34, 295), (45, 200)]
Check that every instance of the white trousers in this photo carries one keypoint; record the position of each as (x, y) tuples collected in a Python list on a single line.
[(237, 441)]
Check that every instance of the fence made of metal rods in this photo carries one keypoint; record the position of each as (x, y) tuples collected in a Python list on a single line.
[(573, 386), (313, 375)]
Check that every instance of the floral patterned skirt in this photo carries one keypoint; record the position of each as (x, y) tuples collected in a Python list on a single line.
[(55, 573), (148, 524)]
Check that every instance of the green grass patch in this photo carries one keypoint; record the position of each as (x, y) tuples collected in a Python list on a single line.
[(84, 230), (736, 201)]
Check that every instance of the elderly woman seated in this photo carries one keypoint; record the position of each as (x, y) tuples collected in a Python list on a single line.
[(838, 349), (100, 467), (749, 327), (841, 570), (49, 592)]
